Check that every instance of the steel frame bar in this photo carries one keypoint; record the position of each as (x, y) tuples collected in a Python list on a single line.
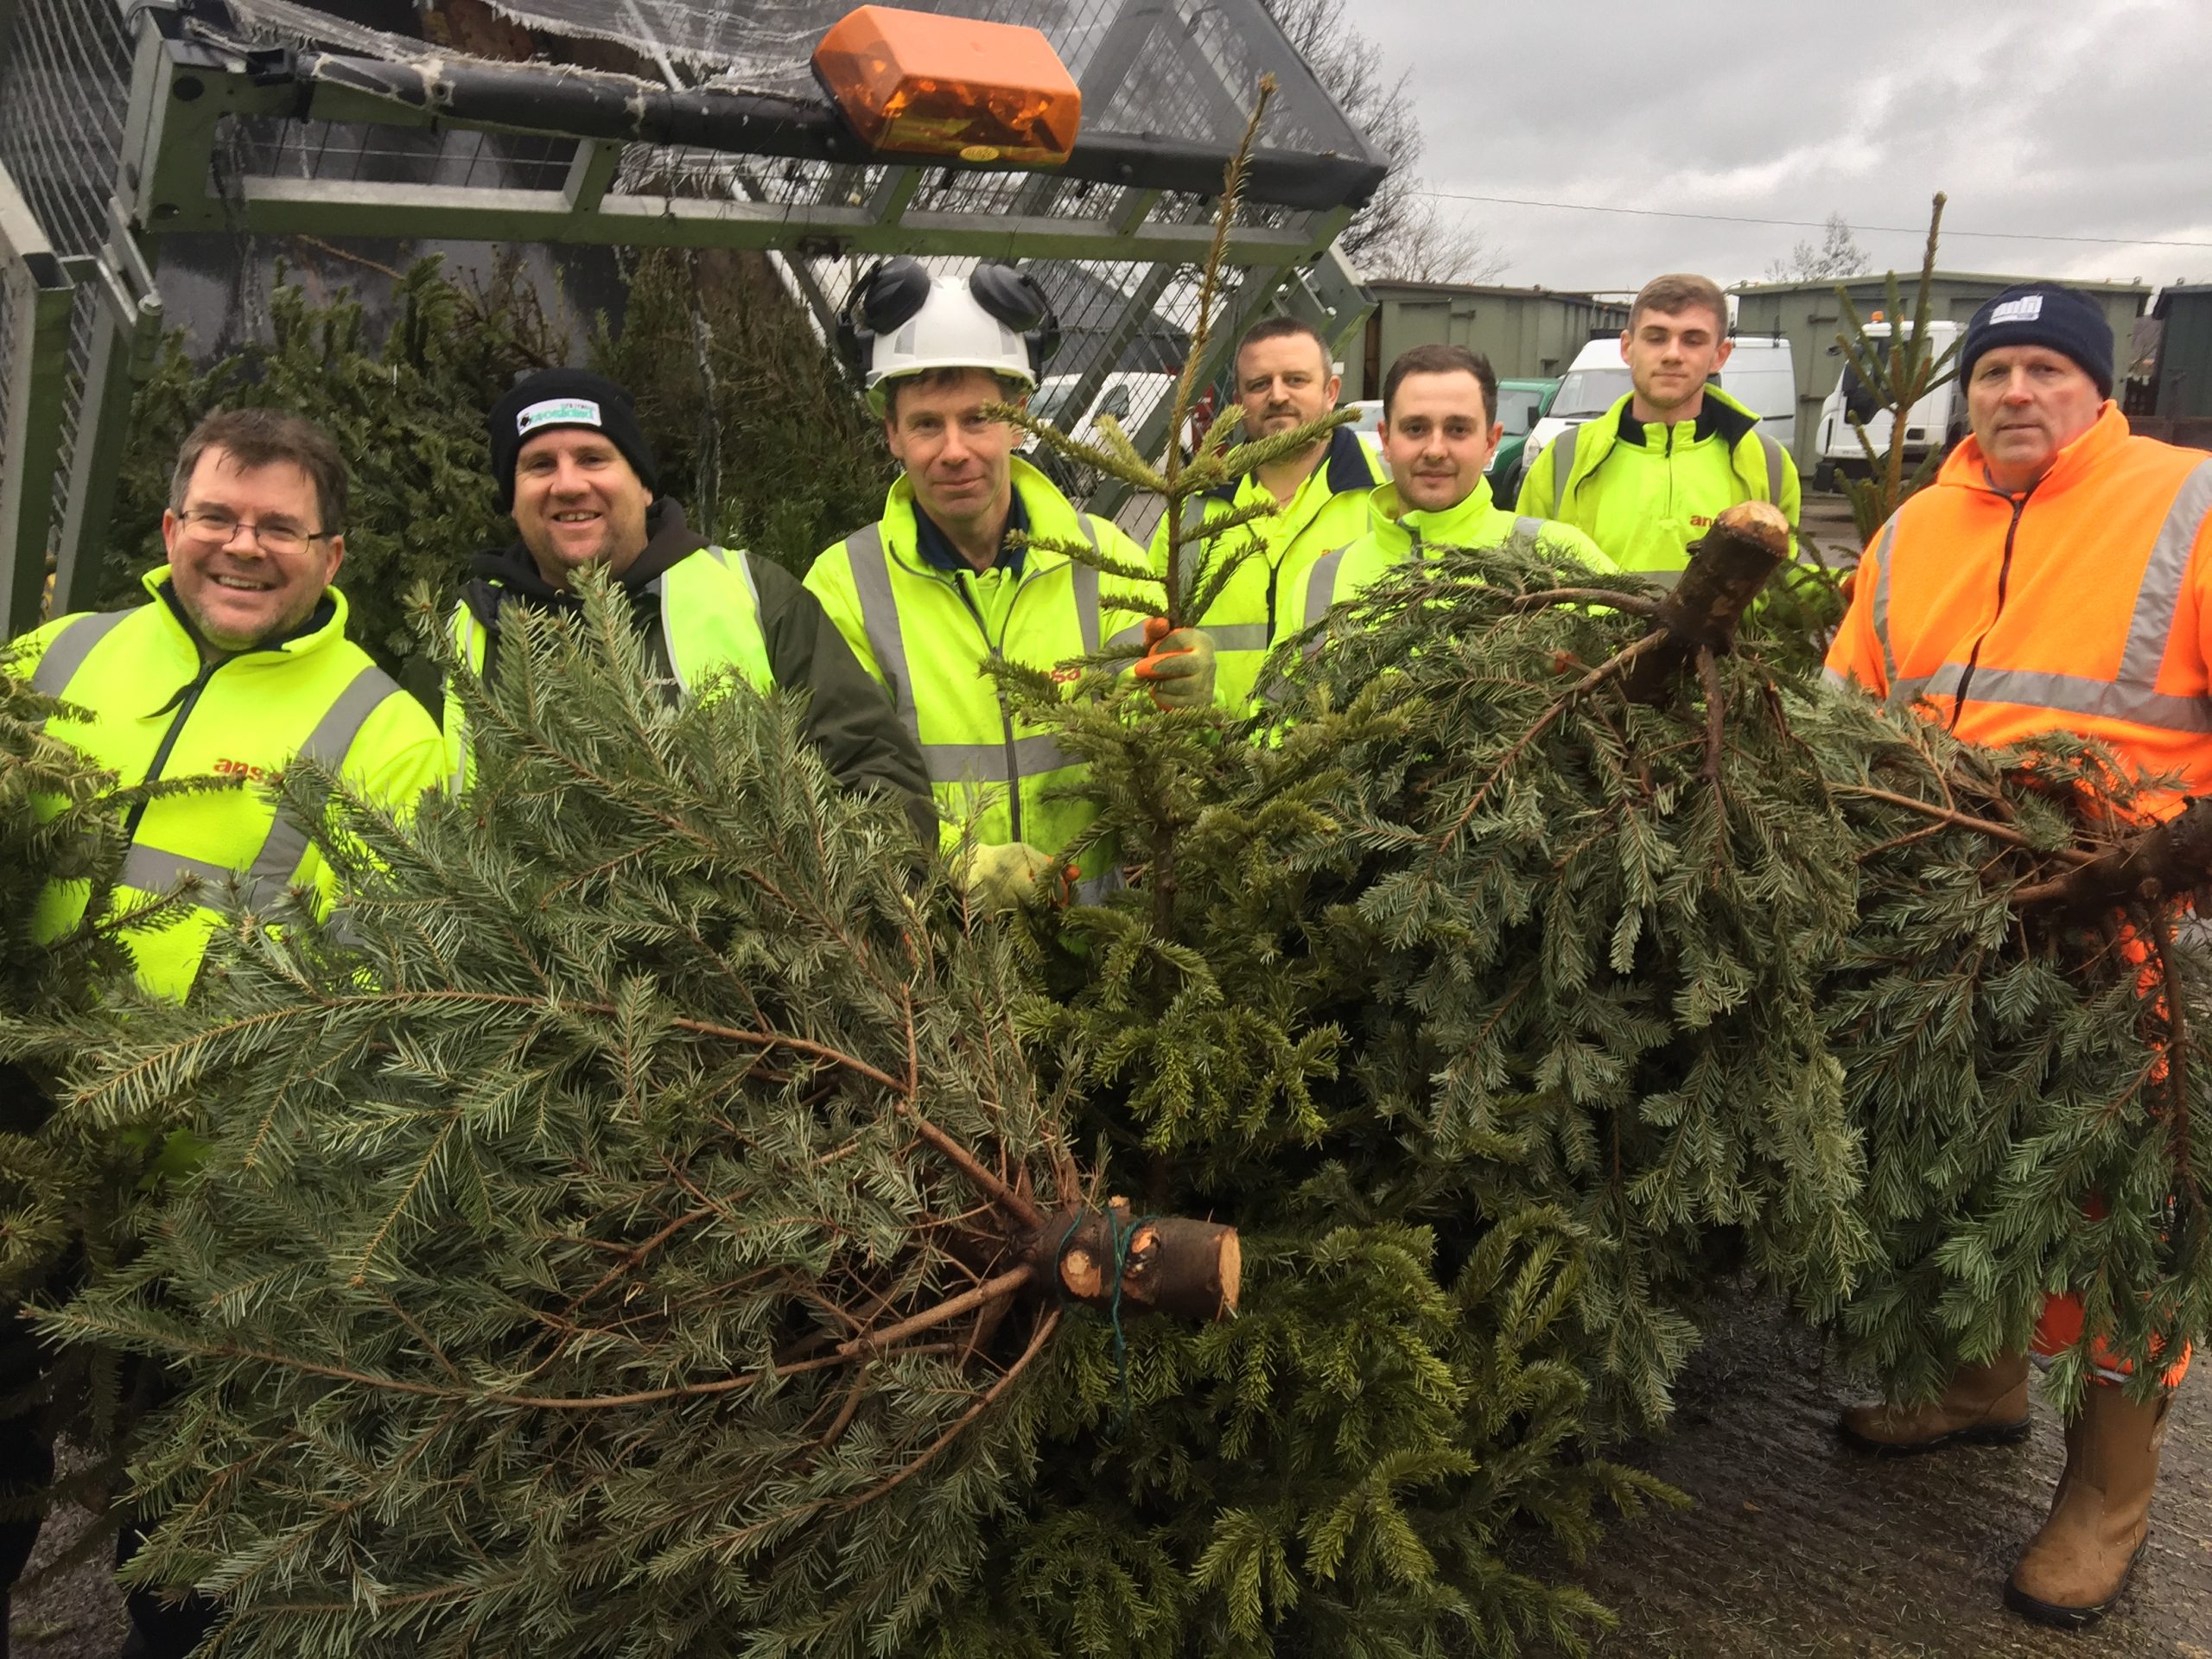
[(184, 90), (39, 296)]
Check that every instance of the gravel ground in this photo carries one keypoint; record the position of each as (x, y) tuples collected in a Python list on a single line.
[(1798, 1549), (1795, 1549), (76, 1613)]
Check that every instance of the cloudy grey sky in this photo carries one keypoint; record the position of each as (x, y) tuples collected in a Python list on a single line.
[(2074, 117)]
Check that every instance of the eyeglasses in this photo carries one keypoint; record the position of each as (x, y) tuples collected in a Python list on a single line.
[(216, 528)]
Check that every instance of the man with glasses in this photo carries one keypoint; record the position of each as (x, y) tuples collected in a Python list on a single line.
[(238, 665)]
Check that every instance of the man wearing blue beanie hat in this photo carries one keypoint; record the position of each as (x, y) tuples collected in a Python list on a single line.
[(2041, 313), (574, 468), (2058, 577)]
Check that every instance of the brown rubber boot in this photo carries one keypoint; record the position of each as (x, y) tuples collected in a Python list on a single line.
[(2076, 1567), (1983, 1405)]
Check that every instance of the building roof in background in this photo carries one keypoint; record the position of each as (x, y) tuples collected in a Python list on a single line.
[(1906, 280)]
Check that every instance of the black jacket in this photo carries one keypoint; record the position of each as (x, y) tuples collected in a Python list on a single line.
[(849, 718)]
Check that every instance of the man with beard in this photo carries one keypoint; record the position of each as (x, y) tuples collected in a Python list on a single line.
[(1319, 495)]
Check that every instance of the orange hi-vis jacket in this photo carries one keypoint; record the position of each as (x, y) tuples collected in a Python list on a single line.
[(2083, 604)]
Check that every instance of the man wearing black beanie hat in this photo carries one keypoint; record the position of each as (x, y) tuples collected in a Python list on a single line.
[(573, 466), (2058, 577)]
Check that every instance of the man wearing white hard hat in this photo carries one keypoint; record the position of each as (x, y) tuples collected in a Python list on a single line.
[(960, 571)]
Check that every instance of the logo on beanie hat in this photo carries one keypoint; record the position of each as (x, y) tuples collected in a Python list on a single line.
[(2026, 308), (558, 412)]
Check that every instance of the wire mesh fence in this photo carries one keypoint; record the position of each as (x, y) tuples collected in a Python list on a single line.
[(65, 90), (1179, 72)]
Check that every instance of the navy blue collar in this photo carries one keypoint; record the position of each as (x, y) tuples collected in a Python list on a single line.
[(1349, 467), (1348, 464), (936, 549)]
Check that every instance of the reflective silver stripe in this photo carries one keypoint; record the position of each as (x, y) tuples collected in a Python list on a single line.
[(264, 880), (1132, 635), (985, 763), (2073, 694), (1880, 554), (1524, 525), (270, 872), (1239, 636), (722, 555), (2158, 600), (68, 650), (1195, 539), (1659, 578), (1562, 454), (871, 568), (1086, 596), (1095, 891), (1321, 585), (952, 763), (2131, 695), (1836, 678), (1773, 448), (151, 870)]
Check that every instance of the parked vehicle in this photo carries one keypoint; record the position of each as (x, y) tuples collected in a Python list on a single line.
[(1761, 374), (1128, 395), (1937, 421), (1521, 405)]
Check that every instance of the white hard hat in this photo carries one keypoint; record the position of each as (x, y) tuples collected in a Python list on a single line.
[(900, 321)]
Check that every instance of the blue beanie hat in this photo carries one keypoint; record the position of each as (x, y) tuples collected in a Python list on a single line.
[(555, 397), (2043, 314)]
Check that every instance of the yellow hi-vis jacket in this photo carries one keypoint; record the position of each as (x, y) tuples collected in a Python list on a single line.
[(153, 711), (707, 619), (1397, 534), (1327, 510), (927, 633), (1645, 491)]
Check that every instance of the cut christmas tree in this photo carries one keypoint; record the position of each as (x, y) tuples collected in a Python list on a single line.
[(631, 1227)]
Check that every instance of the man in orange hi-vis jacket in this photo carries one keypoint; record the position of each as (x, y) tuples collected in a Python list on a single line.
[(2058, 575)]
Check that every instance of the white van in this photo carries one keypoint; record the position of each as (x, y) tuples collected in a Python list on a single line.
[(1937, 421), (1761, 374)]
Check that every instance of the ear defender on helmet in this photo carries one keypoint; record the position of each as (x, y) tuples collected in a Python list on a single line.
[(899, 321), (1012, 295), (888, 295)]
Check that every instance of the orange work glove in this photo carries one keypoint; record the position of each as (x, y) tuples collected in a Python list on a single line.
[(1178, 665)]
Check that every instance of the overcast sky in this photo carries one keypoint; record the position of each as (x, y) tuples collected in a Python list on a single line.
[(2077, 118)]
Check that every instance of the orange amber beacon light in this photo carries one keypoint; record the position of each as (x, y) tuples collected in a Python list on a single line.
[(916, 82)]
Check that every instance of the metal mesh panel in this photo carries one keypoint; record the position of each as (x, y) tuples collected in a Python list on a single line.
[(356, 154), (1189, 67), (1186, 67), (64, 91), (8, 323)]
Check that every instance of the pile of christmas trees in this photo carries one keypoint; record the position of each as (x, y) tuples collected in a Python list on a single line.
[(654, 1217), (645, 1220)]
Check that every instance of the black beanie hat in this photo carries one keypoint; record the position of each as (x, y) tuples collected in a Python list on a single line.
[(549, 398), (2043, 314)]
